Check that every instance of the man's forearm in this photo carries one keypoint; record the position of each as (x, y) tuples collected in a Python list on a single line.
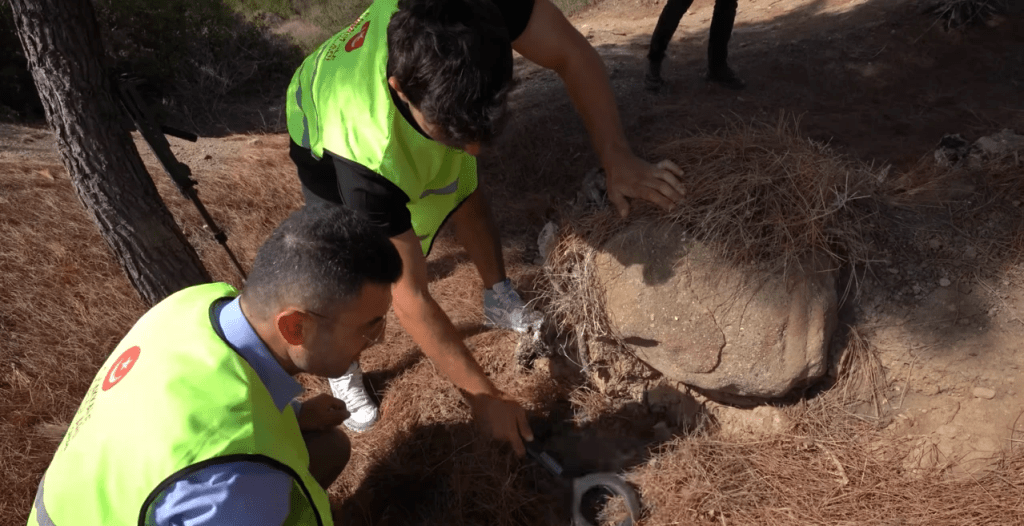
[(433, 331), (590, 90)]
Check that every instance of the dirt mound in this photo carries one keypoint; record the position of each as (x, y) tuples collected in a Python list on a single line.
[(883, 228), (733, 332), (763, 206)]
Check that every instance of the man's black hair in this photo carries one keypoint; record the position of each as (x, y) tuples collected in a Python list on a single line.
[(453, 61), (318, 259)]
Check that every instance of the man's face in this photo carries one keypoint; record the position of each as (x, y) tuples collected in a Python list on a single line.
[(337, 339), (434, 131)]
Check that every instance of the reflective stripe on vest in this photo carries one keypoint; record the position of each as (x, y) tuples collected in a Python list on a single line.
[(171, 399), (42, 518), (450, 189), (339, 102)]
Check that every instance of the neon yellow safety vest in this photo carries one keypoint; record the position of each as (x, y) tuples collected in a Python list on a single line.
[(172, 398), (338, 101)]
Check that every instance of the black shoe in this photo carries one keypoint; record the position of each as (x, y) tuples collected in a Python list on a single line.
[(726, 77), (652, 79)]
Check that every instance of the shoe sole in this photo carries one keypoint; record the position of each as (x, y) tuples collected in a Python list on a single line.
[(360, 428), (525, 330)]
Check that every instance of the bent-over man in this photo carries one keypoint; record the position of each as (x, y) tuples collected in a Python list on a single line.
[(386, 118)]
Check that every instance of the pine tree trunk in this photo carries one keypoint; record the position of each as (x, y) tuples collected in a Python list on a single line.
[(62, 43)]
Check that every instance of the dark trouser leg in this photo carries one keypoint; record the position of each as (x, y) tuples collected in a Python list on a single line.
[(328, 454), (718, 45), (317, 176), (721, 29), (667, 24)]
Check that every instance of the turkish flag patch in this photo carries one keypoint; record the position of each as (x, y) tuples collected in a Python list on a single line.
[(357, 40), (121, 367)]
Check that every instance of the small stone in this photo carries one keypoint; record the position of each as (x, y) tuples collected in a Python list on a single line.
[(547, 239), (970, 253), (661, 432), (542, 365), (986, 444), (944, 282), (984, 392), (993, 311), (947, 430), (893, 270), (964, 321), (917, 289), (934, 244), (1016, 202)]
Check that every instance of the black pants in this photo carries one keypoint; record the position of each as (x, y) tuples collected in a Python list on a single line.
[(721, 29)]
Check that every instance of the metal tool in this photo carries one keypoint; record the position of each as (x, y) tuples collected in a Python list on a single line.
[(583, 484), (137, 109)]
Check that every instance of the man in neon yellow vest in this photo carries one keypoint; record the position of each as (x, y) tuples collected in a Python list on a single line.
[(386, 117), (193, 419)]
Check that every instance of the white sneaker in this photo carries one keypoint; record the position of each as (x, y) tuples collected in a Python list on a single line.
[(363, 412), (504, 309)]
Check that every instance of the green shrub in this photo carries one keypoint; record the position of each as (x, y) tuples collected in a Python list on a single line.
[(199, 53), (334, 15), (253, 8), (571, 7)]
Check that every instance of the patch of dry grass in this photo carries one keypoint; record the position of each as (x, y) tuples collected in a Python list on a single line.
[(63, 306), (957, 14), (764, 194), (832, 469), (761, 195)]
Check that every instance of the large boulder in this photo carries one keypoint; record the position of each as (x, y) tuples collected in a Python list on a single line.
[(718, 327)]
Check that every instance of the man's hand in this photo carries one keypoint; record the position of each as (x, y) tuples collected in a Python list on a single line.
[(502, 418), (552, 42), (628, 176), (321, 413)]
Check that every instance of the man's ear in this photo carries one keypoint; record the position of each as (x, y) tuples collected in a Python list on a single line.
[(393, 82), (291, 325)]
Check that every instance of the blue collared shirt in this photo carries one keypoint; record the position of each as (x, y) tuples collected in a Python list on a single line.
[(235, 493)]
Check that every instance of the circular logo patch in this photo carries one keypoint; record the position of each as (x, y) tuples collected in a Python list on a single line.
[(124, 363)]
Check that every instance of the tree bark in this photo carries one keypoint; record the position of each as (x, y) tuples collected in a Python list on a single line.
[(62, 42)]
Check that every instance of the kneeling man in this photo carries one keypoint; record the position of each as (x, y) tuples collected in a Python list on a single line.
[(193, 418)]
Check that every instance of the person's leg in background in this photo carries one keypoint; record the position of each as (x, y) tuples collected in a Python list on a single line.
[(718, 45), (663, 31)]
